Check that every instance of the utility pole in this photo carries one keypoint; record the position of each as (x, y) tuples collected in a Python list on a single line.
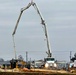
[(70, 55), (26, 56)]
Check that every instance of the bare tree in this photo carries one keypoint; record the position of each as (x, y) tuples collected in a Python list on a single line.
[(75, 55), (1, 59), (20, 58)]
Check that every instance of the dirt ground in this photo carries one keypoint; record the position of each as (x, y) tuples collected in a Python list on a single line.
[(34, 72)]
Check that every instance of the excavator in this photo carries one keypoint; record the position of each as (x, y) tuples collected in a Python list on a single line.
[(49, 60)]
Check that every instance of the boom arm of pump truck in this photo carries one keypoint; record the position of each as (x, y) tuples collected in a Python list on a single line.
[(22, 9), (42, 22)]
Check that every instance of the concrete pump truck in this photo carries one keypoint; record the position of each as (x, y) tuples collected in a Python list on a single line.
[(49, 61)]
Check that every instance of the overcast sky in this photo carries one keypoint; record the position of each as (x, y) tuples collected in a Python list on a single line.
[(60, 17)]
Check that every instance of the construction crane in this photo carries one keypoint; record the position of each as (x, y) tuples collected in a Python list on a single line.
[(44, 25)]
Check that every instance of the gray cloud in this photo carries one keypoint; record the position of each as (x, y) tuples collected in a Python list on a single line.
[(60, 16)]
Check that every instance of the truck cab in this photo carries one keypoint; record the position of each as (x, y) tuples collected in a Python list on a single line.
[(50, 63)]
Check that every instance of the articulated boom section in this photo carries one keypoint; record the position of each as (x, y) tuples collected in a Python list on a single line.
[(42, 22)]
